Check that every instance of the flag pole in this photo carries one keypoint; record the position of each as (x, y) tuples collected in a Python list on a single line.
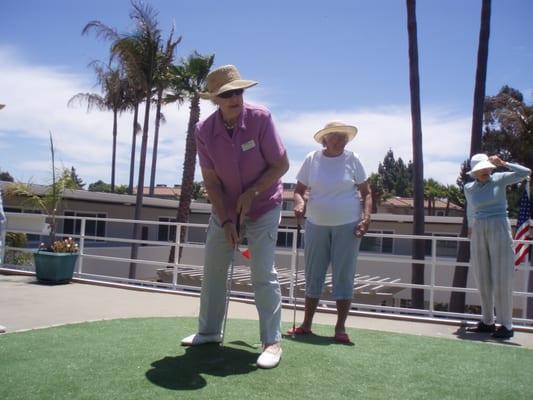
[(528, 191), (528, 283), (527, 274)]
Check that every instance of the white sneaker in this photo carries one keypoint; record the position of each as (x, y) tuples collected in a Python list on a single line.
[(270, 357), (197, 339)]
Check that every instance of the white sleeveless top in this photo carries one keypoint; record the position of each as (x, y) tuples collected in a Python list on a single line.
[(334, 197)]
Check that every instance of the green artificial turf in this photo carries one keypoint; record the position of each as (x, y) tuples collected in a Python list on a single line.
[(142, 359)]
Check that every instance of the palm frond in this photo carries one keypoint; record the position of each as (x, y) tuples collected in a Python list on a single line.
[(92, 100), (189, 77)]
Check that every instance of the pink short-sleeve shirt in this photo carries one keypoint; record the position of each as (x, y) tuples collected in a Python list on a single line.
[(241, 159)]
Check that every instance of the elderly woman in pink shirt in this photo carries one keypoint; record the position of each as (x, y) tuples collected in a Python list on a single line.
[(242, 160)]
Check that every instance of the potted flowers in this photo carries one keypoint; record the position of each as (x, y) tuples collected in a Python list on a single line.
[(55, 259), (54, 263)]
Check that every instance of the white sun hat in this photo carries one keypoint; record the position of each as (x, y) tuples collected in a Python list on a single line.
[(480, 161)]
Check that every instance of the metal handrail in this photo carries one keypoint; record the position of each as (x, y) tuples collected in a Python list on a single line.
[(432, 261)]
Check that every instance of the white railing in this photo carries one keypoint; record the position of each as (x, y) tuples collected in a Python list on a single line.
[(433, 262)]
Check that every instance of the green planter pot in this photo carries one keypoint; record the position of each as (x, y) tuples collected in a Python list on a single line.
[(54, 268)]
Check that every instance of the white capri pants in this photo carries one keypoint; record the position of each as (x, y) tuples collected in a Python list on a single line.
[(492, 258)]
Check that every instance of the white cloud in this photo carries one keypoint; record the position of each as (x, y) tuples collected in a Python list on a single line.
[(36, 102), (445, 138)]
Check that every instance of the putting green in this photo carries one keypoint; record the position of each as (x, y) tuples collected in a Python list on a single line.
[(142, 359)]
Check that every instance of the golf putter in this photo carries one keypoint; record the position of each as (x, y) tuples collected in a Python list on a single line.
[(228, 281), (298, 227)]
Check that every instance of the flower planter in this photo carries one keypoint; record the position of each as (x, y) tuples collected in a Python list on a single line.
[(54, 268)]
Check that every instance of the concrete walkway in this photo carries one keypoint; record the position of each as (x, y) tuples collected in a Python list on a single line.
[(25, 304)]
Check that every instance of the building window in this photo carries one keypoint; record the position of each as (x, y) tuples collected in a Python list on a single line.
[(167, 233), (445, 248), (287, 205), (285, 238), (378, 244), (144, 234), (92, 227)]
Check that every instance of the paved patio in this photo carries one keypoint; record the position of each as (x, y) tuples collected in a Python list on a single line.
[(25, 304)]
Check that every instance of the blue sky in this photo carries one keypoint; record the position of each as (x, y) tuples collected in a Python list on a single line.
[(315, 61)]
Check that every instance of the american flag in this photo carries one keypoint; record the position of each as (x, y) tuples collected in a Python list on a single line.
[(522, 230)]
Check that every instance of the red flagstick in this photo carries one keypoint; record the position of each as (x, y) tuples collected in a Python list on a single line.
[(246, 254)]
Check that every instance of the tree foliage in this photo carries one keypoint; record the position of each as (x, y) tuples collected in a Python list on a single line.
[(509, 133), (198, 191), (101, 186), (6, 177), (76, 180), (509, 127), (396, 177)]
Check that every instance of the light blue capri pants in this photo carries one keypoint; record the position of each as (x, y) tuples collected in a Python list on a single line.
[(337, 245), (262, 237)]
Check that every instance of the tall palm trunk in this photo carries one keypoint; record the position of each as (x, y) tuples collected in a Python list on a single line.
[(140, 186), (417, 269), (133, 146), (376, 198), (189, 166), (460, 276), (156, 140), (114, 156)]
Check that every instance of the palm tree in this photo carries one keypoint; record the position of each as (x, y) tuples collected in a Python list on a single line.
[(189, 79), (134, 96), (112, 83), (460, 276), (165, 58), (138, 53), (454, 196), (417, 276), (432, 191)]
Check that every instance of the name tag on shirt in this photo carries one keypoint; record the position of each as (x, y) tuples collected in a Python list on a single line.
[(248, 145)]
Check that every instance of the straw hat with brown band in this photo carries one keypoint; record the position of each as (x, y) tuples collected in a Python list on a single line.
[(224, 79)]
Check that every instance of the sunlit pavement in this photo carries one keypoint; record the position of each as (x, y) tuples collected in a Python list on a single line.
[(25, 304)]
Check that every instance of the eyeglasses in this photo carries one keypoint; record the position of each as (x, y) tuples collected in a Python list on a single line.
[(230, 93)]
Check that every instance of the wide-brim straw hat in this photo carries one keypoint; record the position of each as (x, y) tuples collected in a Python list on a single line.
[(480, 161), (223, 79), (336, 127)]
